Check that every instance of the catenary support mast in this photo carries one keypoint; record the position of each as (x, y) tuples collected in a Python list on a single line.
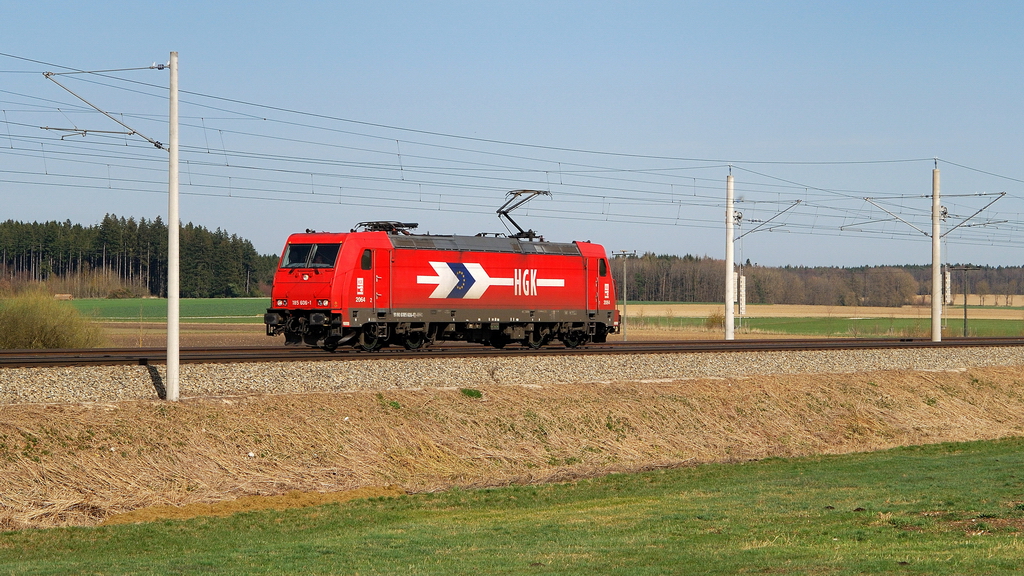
[(936, 259), (173, 224), (730, 288)]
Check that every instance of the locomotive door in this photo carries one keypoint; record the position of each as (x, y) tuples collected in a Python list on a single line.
[(593, 290), (381, 281)]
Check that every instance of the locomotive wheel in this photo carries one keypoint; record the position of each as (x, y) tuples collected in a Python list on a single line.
[(370, 341), (330, 344), (534, 340), (414, 340), (499, 341), (574, 339)]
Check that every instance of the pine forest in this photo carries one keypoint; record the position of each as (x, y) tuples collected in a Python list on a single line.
[(125, 257)]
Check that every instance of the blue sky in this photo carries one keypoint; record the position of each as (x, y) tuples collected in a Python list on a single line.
[(631, 114)]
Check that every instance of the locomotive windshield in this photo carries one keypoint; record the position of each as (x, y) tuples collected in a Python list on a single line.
[(324, 255), (310, 256), (296, 256)]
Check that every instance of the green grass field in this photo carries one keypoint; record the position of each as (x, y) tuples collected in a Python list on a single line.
[(224, 310), (883, 327), (846, 327), (250, 310), (939, 509)]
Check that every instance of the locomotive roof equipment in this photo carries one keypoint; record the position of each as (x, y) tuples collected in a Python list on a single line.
[(516, 199), (390, 227)]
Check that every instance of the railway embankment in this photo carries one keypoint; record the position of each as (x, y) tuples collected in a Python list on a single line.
[(432, 425), (121, 383)]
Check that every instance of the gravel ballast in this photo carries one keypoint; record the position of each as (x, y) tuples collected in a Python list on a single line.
[(120, 383)]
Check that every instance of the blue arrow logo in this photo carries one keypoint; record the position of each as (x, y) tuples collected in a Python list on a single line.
[(465, 280)]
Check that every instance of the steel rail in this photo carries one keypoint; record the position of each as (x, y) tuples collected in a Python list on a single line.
[(149, 356)]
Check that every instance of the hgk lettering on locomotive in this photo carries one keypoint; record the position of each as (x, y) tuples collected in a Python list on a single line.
[(525, 282)]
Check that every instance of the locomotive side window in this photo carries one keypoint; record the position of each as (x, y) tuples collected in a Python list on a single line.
[(602, 267), (325, 255), (367, 261), (296, 256)]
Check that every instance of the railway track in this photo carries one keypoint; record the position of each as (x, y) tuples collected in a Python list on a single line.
[(147, 356)]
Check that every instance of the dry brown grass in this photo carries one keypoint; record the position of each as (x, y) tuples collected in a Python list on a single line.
[(131, 335), (154, 334), (80, 464), (34, 319), (293, 499)]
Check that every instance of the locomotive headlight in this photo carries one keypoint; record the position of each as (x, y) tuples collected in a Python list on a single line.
[(281, 302), (323, 303)]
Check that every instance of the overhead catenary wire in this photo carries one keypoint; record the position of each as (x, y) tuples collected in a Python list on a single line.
[(265, 156), (859, 162), (508, 143), (303, 170), (737, 162), (617, 187)]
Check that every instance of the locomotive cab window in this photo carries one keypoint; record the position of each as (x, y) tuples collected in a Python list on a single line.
[(602, 267), (367, 261), (310, 256), (324, 255), (296, 255)]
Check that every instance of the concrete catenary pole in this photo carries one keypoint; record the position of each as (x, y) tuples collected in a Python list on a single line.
[(173, 223), (936, 258), (730, 289), (623, 255), (625, 298)]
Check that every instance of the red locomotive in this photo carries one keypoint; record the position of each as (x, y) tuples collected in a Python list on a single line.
[(385, 286)]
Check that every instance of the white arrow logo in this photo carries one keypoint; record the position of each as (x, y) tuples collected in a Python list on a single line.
[(470, 280)]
